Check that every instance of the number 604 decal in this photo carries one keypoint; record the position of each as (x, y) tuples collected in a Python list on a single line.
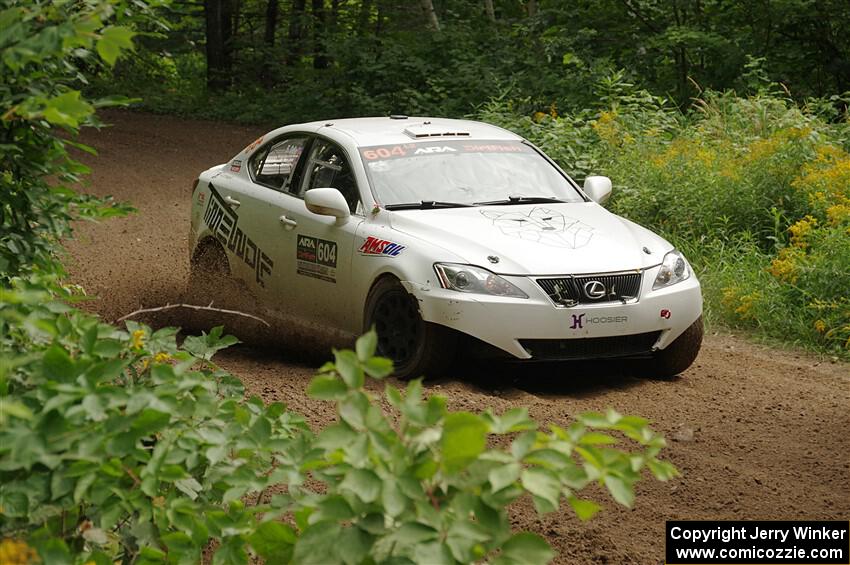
[(316, 258)]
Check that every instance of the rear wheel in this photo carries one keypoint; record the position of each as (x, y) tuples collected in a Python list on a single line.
[(679, 355), (416, 347)]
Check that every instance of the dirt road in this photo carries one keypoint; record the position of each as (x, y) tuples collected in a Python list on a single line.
[(757, 433)]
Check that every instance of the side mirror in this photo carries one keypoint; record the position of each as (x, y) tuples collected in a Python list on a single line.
[(598, 188), (327, 202)]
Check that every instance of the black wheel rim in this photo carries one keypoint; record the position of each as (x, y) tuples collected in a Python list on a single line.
[(399, 327)]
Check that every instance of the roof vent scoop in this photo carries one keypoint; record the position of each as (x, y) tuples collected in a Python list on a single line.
[(423, 130)]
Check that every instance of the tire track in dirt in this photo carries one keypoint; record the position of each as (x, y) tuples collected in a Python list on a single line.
[(758, 433)]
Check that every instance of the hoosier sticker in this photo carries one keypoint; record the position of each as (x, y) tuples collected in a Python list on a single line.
[(316, 258)]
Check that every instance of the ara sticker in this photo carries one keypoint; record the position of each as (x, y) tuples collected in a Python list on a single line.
[(316, 258), (236, 165), (375, 246), (223, 222)]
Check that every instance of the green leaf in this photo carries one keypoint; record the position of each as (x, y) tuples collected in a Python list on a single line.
[(503, 475), (354, 545), (315, 546), (273, 541), (378, 367), (363, 483), (393, 499), (542, 483), (58, 365), (623, 492), (334, 508), (464, 438), (349, 368), (326, 387), (67, 109), (584, 509), (366, 345), (113, 40), (525, 548)]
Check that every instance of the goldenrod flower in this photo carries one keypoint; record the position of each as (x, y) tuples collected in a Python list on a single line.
[(820, 326), (138, 340), (17, 552)]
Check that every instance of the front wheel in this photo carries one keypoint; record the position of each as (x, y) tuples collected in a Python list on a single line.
[(679, 355), (415, 346)]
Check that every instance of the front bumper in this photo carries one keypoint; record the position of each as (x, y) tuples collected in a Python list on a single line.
[(512, 324)]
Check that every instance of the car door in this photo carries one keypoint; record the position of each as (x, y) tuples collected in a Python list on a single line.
[(324, 246), (250, 207)]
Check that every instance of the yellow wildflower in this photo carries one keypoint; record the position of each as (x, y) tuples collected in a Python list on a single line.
[(820, 326), (538, 116), (784, 267), (800, 230), (17, 552), (138, 340), (838, 213), (747, 302), (553, 110), (161, 357)]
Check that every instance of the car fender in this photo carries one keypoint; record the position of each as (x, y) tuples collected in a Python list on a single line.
[(380, 250)]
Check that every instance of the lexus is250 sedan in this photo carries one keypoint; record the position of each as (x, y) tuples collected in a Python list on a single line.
[(442, 232)]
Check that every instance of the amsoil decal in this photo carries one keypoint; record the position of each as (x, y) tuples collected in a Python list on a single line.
[(223, 223), (582, 320), (316, 258), (375, 246)]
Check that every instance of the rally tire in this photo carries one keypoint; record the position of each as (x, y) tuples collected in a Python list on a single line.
[(417, 348), (679, 355)]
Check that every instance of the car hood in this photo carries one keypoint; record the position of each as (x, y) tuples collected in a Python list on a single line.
[(537, 239)]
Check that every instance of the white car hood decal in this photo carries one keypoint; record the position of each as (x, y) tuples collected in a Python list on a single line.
[(537, 239)]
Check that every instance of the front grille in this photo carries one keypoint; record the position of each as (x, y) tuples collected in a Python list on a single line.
[(569, 291), (591, 347)]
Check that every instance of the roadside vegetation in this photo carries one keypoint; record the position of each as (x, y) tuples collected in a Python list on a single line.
[(117, 445)]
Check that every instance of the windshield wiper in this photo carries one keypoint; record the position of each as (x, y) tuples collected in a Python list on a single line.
[(522, 200), (426, 205)]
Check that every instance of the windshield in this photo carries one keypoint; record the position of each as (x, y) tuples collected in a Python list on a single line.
[(463, 172)]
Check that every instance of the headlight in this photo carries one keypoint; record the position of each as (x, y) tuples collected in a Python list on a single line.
[(674, 269), (466, 278)]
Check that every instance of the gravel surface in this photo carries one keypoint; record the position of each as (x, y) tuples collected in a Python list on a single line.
[(758, 433)]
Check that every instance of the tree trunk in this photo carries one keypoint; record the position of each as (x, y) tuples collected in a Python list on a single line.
[(532, 8), (271, 22), (431, 14), (266, 75), (296, 32), (320, 59), (491, 10), (218, 16)]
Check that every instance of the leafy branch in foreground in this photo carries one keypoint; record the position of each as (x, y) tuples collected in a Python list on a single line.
[(118, 444)]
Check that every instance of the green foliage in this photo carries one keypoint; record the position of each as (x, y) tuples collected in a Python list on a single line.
[(46, 46), (118, 444)]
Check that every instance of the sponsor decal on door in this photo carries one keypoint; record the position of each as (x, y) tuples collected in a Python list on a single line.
[(316, 258)]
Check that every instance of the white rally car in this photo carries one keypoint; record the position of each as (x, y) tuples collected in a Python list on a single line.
[(443, 232)]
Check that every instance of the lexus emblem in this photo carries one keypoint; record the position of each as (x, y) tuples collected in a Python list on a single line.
[(594, 290)]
